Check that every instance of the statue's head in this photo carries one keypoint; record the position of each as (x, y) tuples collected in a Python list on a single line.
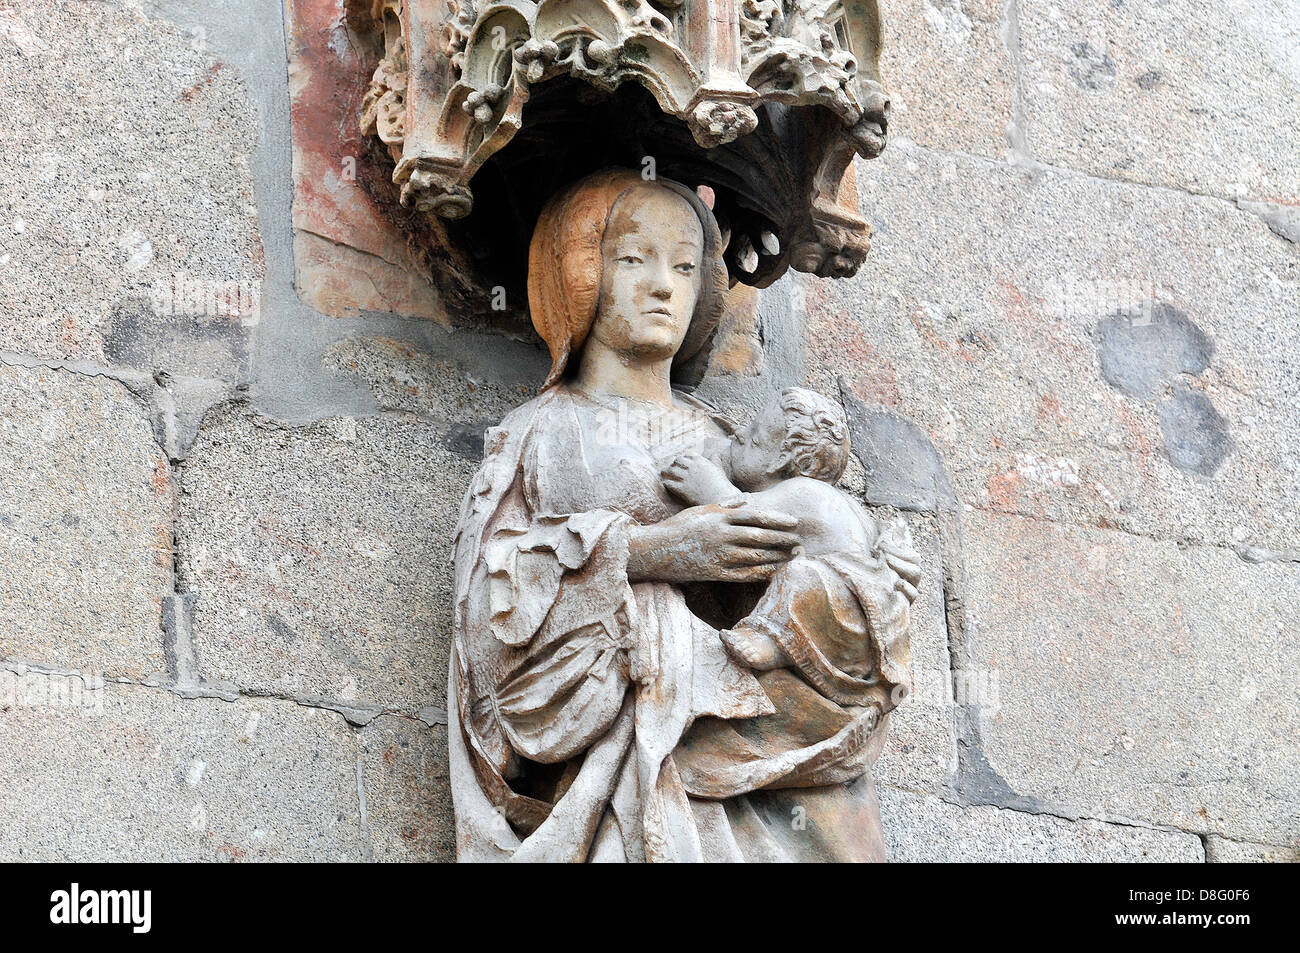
[(635, 264)]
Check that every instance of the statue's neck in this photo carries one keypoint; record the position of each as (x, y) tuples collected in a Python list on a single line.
[(606, 373)]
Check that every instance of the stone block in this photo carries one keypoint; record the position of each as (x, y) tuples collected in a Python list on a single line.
[(1196, 96), (319, 556), (1139, 680), (949, 73), (128, 227), (1221, 850), (921, 828), (1099, 353), (86, 504), (350, 250), (154, 777), (408, 797)]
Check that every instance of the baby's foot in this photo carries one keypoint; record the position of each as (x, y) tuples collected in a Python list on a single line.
[(757, 651)]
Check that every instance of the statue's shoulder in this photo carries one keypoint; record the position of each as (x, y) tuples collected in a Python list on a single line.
[(518, 424)]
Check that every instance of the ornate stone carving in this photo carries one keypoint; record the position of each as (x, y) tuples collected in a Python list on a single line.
[(764, 101), (675, 639)]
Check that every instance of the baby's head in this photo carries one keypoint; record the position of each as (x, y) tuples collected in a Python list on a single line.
[(801, 433)]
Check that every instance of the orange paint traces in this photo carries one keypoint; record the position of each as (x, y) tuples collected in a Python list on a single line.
[(191, 92), (161, 478), (1005, 489)]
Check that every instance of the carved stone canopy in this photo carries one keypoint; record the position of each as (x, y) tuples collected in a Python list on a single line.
[(488, 109)]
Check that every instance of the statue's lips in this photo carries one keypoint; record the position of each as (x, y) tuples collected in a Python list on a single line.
[(658, 313)]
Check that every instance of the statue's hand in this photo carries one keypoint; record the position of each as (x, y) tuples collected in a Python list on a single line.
[(697, 480), (721, 542), (896, 549)]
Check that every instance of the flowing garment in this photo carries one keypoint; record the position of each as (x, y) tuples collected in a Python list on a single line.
[(597, 719)]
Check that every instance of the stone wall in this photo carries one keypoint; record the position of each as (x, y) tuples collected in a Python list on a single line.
[(225, 515)]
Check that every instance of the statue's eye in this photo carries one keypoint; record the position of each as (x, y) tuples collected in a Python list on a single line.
[(630, 259), (686, 267)]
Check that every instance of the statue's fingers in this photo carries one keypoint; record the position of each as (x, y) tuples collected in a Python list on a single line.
[(909, 570), (760, 573), (734, 556), (755, 538), (908, 590), (742, 514)]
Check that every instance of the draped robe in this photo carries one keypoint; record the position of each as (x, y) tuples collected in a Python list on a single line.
[(597, 719)]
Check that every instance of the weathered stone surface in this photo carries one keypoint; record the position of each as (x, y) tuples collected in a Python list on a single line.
[(920, 747), (153, 777), (124, 167), (1095, 352), (319, 556), (86, 503), (338, 280), (921, 828), (738, 345), (408, 798), (901, 466), (949, 73), (1199, 96), (402, 376), (1138, 680), (1220, 850), (350, 253)]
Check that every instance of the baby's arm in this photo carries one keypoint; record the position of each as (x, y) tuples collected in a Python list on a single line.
[(698, 480)]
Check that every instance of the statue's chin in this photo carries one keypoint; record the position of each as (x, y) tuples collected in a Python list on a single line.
[(651, 346)]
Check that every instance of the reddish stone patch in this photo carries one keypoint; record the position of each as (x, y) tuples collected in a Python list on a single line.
[(161, 478), (1028, 314), (1049, 411), (1004, 490), (340, 194)]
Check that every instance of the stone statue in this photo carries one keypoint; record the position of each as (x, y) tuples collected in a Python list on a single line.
[(675, 639)]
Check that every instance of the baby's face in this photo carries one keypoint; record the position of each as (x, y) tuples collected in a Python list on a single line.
[(756, 451)]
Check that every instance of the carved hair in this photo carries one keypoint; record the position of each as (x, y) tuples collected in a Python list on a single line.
[(564, 271), (816, 442)]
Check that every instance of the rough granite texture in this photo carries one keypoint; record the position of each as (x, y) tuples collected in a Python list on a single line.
[(124, 148), (921, 828), (86, 511), (273, 518), (1099, 353), (157, 777), (408, 794), (1140, 680), (1197, 96), (949, 73), (1070, 363)]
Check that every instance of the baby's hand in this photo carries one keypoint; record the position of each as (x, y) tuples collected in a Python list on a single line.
[(697, 480)]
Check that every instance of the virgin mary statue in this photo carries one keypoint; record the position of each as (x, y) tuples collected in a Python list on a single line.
[(594, 712)]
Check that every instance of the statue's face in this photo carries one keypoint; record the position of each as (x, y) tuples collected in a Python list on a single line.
[(756, 450), (652, 256)]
